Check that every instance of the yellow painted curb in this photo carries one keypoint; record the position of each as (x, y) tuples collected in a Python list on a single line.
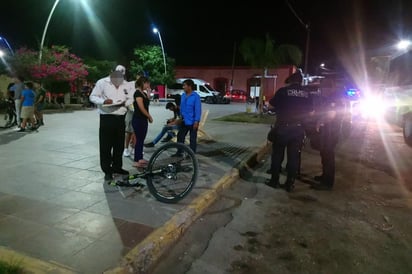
[(32, 265), (144, 256)]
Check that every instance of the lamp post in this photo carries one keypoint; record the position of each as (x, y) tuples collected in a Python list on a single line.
[(307, 28), (383, 62), (155, 30), (7, 44), (45, 30)]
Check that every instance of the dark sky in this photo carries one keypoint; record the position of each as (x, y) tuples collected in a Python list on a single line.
[(198, 33)]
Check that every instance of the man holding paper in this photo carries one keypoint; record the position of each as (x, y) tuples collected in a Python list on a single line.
[(112, 94)]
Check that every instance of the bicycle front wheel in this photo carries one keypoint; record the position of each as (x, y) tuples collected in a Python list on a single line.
[(172, 172)]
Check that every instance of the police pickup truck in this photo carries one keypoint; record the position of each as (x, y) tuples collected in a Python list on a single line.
[(398, 101)]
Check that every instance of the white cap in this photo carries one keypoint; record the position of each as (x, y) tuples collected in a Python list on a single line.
[(121, 68)]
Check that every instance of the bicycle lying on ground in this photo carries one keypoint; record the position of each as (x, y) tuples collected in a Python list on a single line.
[(170, 175)]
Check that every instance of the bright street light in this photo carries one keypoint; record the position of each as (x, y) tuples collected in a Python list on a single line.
[(403, 44), (1, 53), (155, 30), (45, 30), (7, 44)]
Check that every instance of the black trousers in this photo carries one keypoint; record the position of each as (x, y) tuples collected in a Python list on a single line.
[(111, 140), (329, 136), (289, 138), (181, 135)]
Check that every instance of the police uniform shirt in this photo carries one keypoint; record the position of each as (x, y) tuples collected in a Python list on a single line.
[(291, 104), (105, 89)]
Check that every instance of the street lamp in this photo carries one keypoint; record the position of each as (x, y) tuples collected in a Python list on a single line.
[(7, 44), (45, 30), (155, 30), (1, 53), (383, 62)]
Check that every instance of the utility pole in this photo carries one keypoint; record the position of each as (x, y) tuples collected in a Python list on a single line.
[(307, 27)]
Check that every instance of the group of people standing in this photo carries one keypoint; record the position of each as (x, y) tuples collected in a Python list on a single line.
[(295, 108), (29, 101), (125, 116)]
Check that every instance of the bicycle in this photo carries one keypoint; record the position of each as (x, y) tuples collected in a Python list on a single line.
[(10, 113), (170, 175)]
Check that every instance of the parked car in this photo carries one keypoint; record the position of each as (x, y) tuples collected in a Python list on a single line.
[(237, 95)]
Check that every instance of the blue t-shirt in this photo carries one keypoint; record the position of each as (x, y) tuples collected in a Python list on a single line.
[(191, 108), (29, 96)]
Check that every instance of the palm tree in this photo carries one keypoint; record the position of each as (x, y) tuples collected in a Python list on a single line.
[(264, 54)]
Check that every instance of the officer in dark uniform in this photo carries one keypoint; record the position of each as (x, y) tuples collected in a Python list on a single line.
[(292, 105), (330, 114)]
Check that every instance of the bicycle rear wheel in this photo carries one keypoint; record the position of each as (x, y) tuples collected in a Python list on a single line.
[(172, 172)]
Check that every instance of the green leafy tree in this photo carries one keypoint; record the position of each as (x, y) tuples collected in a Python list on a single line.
[(264, 54), (98, 68), (148, 59)]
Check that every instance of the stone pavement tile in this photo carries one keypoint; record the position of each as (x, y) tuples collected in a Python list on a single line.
[(96, 258), (76, 199), (33, 190), (68, 182), (89, 224), (53, 244), (47, 214), (129, 234), (11, 204), (149, 212), (84, 163), (14, 230)]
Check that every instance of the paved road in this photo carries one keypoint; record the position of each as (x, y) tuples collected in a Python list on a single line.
[(54, 205), (380, 146)]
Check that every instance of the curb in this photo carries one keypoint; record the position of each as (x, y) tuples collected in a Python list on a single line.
[(33, 265), (143, 257)]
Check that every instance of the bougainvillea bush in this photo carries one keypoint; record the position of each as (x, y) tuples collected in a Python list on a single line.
[(59, 71)]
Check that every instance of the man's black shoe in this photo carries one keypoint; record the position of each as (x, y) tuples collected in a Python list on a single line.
[(108, 176), (166, 139), (289, 187), (151, 144), (121, 171), (272, 184), (318, 178), (322, 187), (290, 184)]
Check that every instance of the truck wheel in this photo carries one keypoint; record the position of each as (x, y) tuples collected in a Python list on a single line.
[(209, 100), (407, 130)]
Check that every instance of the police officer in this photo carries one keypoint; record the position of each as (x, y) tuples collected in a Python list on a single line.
[(329, 123), (292, 105)]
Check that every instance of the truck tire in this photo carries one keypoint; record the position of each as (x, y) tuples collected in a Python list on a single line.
[(407, 129), (209, 100)]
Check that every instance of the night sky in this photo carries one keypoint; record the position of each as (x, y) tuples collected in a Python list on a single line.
[(199, 33)]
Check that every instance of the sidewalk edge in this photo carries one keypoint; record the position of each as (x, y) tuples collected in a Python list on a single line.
[(33, 265), (143, 257)]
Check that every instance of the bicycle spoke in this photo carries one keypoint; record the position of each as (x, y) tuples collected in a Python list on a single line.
[(173, 172)]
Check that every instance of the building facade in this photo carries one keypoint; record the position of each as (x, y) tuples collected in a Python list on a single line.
[(247, 79)]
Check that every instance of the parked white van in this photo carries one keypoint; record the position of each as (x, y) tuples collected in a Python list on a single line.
[(203, 88)]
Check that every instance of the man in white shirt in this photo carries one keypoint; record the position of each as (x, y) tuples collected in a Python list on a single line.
[(111, 95)]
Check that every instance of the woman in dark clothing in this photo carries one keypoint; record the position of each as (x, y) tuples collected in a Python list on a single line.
[(141, 117)]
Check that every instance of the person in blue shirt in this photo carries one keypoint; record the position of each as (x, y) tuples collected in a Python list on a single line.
[(27, 107), (190, 111)]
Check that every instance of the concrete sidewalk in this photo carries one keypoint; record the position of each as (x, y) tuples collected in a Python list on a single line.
[(55, 208)]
